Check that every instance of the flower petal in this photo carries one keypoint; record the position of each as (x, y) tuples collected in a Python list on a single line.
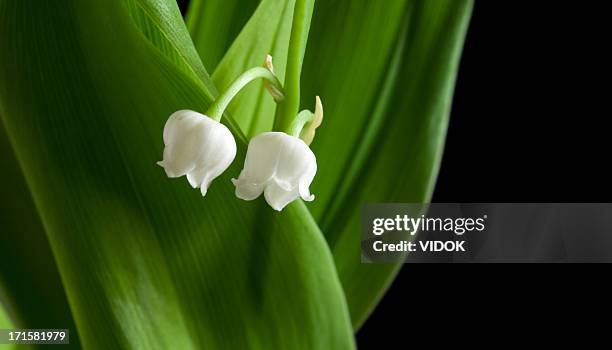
[(247, 190), (196, 146), (280, 165), (278, 197)]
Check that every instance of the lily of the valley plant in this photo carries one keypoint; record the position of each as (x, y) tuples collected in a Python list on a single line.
[(278, 164), (95, 238)]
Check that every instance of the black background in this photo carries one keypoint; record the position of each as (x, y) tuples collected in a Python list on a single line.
[(530, 123), (530, 120)]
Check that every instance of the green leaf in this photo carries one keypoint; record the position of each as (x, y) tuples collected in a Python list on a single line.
[(385, 72), (160, 22), (267, 32), (214, 25), (30, 284), (146, 262), (5, 323)]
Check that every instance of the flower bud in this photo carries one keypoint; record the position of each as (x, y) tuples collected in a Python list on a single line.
[(279, 165), (196, 146)]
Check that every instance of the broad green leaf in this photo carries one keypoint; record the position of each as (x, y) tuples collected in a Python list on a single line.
[(385, 72), (146, 261), (30, 284), (267, 32), (38, 296), (5, 323), (214, 25), (160, 21), (348, 64)]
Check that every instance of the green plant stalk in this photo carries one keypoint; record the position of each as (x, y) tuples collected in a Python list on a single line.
[(287, 110), (215, 111), (301, 119)]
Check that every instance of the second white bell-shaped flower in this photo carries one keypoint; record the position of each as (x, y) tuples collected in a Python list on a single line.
[(196, 146), (279, 165)]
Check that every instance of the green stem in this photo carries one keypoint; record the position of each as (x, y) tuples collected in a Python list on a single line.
[(287, 110), (215, 111), (298, 123)]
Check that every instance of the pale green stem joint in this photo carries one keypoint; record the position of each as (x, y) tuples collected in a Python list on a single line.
[(306, 122), (300, 120)]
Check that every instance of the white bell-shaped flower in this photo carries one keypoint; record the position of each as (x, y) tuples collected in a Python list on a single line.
[(279, 165), (196, 146)]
